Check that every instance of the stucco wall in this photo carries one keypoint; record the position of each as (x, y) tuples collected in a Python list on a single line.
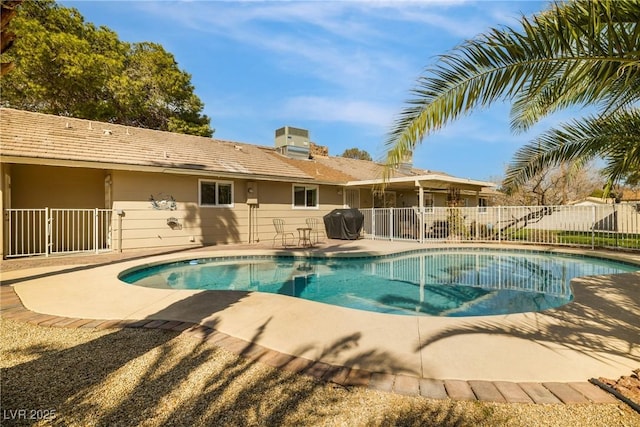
[(36, 186), (276, 202), (144, 225)]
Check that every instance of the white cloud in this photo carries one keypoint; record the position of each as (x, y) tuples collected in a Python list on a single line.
[(338, 110), (344, 43)]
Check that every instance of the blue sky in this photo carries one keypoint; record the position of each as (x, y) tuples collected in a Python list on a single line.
[(341, 69)]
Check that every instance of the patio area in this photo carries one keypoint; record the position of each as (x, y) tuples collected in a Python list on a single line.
[(544, 357)]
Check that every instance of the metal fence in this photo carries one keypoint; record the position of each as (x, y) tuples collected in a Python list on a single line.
[(595, 226), (56, 231)]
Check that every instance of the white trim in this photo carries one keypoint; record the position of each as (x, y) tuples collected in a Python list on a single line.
[(216, 182)]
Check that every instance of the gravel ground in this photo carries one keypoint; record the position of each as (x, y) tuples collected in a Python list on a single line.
[(155, 377)]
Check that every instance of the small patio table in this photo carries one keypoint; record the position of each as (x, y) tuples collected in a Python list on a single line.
[(304, 237)]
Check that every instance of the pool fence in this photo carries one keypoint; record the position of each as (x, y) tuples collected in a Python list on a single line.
[(614, 226), (49, 231)]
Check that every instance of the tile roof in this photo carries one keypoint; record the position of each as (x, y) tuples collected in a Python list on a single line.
[(35, 137), (42, 136), (366, 170), (319, 170)]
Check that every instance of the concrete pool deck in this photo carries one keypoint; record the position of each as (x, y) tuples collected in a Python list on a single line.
[(596, 335)]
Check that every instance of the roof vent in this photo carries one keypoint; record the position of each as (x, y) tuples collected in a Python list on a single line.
[(68, 126), (107, 132), (293, 142), (406, 164)]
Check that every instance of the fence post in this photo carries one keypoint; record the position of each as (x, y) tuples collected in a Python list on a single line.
[(615, 218), (477, 220), (391, 229), (499, 224), (120, 214), (95, 229), (373, 223), (593, 227), (47, 233)]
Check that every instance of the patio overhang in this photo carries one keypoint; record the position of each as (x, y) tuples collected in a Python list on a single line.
[(431, 182)]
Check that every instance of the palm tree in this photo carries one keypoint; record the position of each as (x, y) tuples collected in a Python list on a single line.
[(576, 53)]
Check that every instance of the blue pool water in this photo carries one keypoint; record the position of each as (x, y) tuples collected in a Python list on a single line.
[(429, 282)]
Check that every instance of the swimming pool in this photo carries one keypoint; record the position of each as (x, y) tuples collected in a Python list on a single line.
[(443, 282)]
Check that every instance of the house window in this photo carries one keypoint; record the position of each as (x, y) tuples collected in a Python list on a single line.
[(305, 196), (384, 199), (428, 202), (215, 193), (352, 198), (482, 204)]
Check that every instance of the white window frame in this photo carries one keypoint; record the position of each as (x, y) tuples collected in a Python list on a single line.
[(306, 187), (217, 183)]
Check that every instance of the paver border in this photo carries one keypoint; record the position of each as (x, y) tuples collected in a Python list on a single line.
[(11, 308)]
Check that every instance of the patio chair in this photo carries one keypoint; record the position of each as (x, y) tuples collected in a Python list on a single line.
[(316, 229), (278, 223)]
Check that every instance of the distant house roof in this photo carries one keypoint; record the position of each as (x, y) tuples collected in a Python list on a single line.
[(627, 196), (630, 195), (592, 201), (35, 138)]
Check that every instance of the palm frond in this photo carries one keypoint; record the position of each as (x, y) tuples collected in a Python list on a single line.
[(580, 52), (614, 138)]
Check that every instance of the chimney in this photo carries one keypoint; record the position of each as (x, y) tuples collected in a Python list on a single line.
[(293, 142)]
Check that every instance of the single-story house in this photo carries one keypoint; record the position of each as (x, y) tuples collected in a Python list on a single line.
[(166, 189)]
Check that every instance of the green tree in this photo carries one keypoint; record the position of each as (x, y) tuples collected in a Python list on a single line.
[(153, 92), (66, 66), (8, 11), (576, 53), (356, 153), (62, 65)]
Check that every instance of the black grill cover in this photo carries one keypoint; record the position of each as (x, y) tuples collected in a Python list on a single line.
[(344, 224)]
